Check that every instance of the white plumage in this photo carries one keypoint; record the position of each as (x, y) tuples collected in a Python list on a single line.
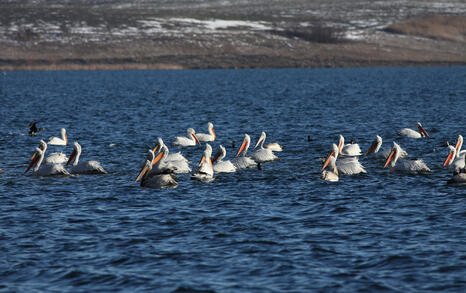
[(350, 149), (408, 132), (207, 136), (262, 154), (205, 171), (221, 166), (57, 140), (377, 153), (406, 166), (46, 169), (153, 179), (243, 161), (190, 140), (83, 167)]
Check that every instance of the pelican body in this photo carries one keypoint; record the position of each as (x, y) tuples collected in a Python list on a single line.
[(175, 162), (406, 166), (57, 140), (346, 166), (375, 150), (46, 169), (408, 132), (53, 158), (241, 162), (350, 149), (83, 167), (152, 179), (206, 137), (263, 154), (205, 171), (190, 140), (221, 166)]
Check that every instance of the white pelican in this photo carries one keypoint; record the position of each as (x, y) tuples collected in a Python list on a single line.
[(346, 166), (207, 137), (413, 133), (243, 161), (169, 157), (83, 167), (263, 155), (152, 179), (205, 171), (46, 169), (274, 147), (176, 166), (190, 140), (59, 141), (459, 144), (375, 148), (406, 166), (350, 149), (454, 162), (53, 158), (221, 166), (332, 173)]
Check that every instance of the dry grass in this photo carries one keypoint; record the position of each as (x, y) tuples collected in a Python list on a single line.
[(439, 27)]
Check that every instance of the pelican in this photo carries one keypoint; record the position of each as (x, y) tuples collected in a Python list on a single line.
[(459, 144), (347, 166), (190, 140), (332, 174), (53, 158), (375, 147), (263, 155), (207, 137), (175, 165), (350, 149), (59, 141), (274, 147), (47, 169), (454, 162), (221, 166), (243, 161), (406, 166), (169, 157), (205, 171), (83, 167), (413, 133), (152, 179)]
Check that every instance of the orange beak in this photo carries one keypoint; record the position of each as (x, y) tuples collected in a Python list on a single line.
[(423, 131), (34, 161), (372, 148), (195, 138), (158, 158), (327, 161), (390, 158), (241, 148), (73, 154), (450, 156), (213, 132), (156, 148)]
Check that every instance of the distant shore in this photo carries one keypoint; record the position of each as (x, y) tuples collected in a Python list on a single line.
[(116, 39)]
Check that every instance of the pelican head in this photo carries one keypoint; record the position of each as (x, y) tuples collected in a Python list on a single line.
[(210, 126), (221, 153), (394, 155), (376, 144), (244, 146), (459, 144), (63, 135), (192, 133), (75, 154), (451, 155), (422, 130), (159, 145), (341, 142), (261, 139), (37, 159)]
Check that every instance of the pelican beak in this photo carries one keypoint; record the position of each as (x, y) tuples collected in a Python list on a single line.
[(73, 154), (217, 155), (372, 148), (423, 131), (157, 146), (390, 157), (143, 171), (210, 163), (340, 145), (34, 161), (35, 153), (258, 142), (158, 158), (450, 156), (458, 144), (66, 140), (195, 138), (241, 148), (327, 161), (213, 132)]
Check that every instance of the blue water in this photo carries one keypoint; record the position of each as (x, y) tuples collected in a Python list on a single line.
[(279, 229)]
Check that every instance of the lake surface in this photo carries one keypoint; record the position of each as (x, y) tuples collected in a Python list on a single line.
[(278, 229)]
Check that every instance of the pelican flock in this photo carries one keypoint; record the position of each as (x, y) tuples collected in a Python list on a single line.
[(160, 165)]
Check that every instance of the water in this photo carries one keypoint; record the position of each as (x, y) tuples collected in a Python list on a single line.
[(279, 229)]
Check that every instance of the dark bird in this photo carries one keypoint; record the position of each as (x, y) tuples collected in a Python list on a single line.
[(33, 130)]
